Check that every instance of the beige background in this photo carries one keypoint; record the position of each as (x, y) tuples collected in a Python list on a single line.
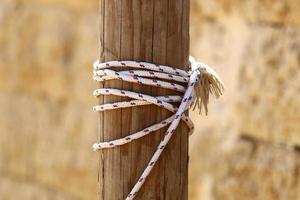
[(247, 148)]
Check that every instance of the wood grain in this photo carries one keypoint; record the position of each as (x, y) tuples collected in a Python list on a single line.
[(143, 30)]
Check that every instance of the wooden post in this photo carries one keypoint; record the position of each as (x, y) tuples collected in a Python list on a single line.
[(154, 31)]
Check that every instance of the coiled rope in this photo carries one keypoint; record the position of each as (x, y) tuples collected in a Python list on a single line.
[(201, 81)]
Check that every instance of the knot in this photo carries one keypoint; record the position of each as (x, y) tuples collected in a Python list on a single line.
[(194, 88), (208, 83)]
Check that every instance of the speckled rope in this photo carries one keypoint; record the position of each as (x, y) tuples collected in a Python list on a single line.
[(153, 75)]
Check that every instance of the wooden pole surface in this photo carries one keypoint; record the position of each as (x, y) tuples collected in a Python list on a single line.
[(154, 31)]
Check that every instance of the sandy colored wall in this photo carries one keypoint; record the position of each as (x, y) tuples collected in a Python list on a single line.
[(46, 123), (247, 148)]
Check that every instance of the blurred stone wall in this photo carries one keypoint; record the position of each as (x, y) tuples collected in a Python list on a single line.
[(249, 145), (46, 123), (247, 148)]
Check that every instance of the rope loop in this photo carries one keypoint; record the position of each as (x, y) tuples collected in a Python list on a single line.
[(200, 82)]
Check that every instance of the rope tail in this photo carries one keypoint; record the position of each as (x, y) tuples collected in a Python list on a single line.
[(209, 83)]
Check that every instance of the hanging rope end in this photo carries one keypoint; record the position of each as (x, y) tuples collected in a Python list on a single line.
[(209, 84)]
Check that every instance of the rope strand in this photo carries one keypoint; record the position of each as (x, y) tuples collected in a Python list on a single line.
[(201, 82)]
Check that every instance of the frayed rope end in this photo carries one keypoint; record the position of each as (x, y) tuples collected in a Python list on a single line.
[(209, 83)]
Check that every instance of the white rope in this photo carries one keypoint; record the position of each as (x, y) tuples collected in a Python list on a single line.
[(201, 81)]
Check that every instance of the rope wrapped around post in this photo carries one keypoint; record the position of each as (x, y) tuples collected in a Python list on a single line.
[(200, 81)]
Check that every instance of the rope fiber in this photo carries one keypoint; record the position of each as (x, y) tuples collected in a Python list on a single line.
[(200, 81)]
